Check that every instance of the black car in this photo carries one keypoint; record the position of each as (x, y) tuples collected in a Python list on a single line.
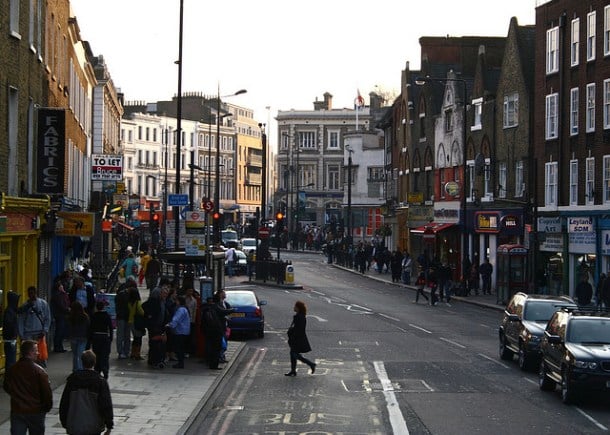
[(522, 327), (575, 352)]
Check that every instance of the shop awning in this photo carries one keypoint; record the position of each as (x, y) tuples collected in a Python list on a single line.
[(434, 226)]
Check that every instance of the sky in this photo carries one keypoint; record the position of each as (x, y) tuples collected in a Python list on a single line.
[(285, 53)]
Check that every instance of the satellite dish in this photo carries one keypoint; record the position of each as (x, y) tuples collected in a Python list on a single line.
[(479, 164)]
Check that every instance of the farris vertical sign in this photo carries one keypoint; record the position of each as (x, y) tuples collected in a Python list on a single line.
[(106, 167), (51, 150)]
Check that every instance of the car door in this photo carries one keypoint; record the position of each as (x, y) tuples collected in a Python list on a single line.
[(553, 351), (513, 327)]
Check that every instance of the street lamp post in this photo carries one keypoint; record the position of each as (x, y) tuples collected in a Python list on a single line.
[(421, 81), (176, 210), (349, 194), (217, 186), (192, 167)]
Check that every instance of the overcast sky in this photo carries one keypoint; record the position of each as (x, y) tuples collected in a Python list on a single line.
[(285, 53)]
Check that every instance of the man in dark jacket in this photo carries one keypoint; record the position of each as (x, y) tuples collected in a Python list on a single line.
[(10, 329), (28, 385), (584, 291), (123, 334), (91, 381)]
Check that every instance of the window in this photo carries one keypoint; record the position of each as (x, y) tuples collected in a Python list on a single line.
[(607, 31), (550, 183), (307, 139), (375, 173), (591, 36), (551, 130), (573, 111), (590, 116), (14, 18), (511, 110), (448, 120), (606, 103), (590, 180), (606, 179), (139, 157), (333, 177), (552, 50), (147, 134), (139, 132), (285, 141), (333, 139), (478, 111), (573, 182), (519, 183), (442, 182), (502, 180), (487, 177), (575, 45)]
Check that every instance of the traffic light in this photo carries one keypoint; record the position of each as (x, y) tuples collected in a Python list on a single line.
[(216, 217), (279, 221), (153, 221)]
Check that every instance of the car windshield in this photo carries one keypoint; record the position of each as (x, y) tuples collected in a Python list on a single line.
[(248, 242), (589, 331), (540, 311), (241, 299), (229, 235)]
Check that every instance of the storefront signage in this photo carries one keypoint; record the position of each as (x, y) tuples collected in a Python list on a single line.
[(51, 150), (510, 222), (549, 224), (452, 188), (580, 225), (421, 213), (487, 222), (106, 167), (79, 224), (552, 243), (581, 235), (415, 198)]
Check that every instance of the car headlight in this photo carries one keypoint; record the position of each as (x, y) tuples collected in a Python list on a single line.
[(591, 365)]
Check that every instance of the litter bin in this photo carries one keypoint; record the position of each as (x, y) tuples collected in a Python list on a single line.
[(289, 274)]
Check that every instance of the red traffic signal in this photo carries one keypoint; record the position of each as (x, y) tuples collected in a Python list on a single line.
[(155, 217), (216, 216), (279, 216)]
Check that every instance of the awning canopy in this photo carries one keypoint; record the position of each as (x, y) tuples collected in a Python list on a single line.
[(434, 226)]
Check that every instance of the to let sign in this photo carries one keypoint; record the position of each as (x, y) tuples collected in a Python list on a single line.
[(106, 167)]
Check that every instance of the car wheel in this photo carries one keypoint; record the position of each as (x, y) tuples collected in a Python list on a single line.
[(544, 382), (523, 359), (505, 352), (567, 391)]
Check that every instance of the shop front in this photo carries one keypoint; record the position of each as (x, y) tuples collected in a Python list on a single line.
[(20, 223)]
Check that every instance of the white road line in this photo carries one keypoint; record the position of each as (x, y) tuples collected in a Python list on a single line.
[(420, 328), (530, 381), (389, 317), (399, 425), (591, 419), (318, 318), (493, 360), (452, 342)]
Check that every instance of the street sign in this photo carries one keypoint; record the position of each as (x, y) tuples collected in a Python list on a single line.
[(263, 233), (208, 205), (177, 199)]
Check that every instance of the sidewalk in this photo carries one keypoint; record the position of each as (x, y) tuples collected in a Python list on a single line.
[(485, 301), (145, 400)]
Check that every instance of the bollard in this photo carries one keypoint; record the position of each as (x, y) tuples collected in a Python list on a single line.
[(289, 274)]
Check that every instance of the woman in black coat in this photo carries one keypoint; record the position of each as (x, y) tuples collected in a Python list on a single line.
[(297, 339)]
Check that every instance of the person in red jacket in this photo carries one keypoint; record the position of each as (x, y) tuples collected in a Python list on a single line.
[(28, 385)]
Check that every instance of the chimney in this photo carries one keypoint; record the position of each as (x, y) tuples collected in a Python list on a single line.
[(328, 101)]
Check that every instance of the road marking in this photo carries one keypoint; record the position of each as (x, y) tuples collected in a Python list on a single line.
[(389, 317), (530, 381), (493, 360), (420, 328), (318, 318), (399, 425), (452, 342), (591, 419)]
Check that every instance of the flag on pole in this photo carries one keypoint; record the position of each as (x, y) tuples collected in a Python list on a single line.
[(359, 101)]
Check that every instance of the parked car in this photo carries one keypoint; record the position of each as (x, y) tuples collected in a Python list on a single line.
[(247, 245), (523, 323), (242, 263), (574, 350), (248, 316)]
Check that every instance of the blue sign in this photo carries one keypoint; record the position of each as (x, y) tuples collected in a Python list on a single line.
[(177, 199)]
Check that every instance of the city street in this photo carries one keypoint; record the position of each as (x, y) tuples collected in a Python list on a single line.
[(385, 365)]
